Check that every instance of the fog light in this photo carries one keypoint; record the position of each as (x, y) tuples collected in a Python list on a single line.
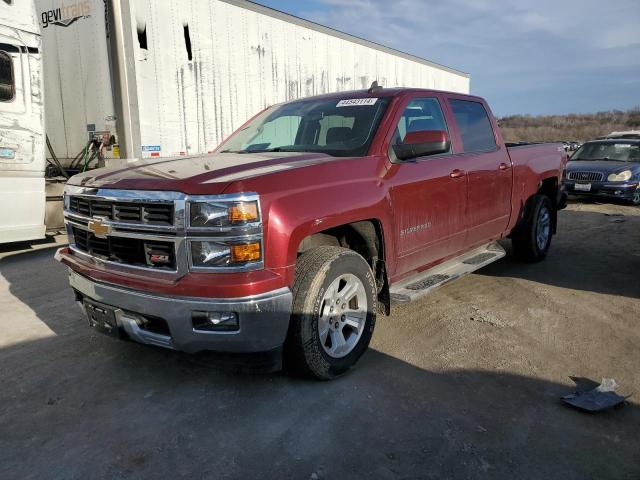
[(215, 321)]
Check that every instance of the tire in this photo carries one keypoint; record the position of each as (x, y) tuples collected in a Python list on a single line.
[(636, 198), (314, 345), (532, 240)]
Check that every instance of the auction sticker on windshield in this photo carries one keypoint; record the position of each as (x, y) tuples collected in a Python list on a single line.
[(356, 102)]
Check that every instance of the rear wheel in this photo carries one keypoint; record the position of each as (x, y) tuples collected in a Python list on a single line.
[(334, 312), (532, 240)]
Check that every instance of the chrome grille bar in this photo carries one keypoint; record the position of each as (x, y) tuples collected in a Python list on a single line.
[(586, 176)]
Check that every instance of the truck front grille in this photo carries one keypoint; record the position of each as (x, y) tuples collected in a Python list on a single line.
[(586, 176), (128, 212), (130, 251)]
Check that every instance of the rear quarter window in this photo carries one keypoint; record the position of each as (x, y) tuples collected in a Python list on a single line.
[(474, 125)]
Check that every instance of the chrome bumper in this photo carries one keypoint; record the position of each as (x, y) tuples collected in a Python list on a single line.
[(264, 319)]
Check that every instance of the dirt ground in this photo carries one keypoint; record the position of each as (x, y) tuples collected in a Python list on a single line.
[(462, 384)]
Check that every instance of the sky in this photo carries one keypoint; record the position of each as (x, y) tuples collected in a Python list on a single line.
[(524, 57)]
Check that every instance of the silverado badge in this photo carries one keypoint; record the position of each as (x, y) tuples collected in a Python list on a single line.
[(99, 229)]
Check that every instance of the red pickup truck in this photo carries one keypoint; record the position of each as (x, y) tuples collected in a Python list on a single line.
[(309, 220)]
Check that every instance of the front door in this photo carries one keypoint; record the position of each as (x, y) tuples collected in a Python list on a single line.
[(428, 194)]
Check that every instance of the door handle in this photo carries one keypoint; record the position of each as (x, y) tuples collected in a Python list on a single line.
[(457, 173), (504, 166)]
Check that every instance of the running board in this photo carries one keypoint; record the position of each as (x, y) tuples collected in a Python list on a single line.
[(425, 282)]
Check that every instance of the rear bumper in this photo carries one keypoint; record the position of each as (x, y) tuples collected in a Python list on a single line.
[(263, 319), (623, 191)]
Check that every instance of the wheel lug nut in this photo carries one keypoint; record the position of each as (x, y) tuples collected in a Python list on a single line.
[(344, 305), (342, 318), (336, 325)]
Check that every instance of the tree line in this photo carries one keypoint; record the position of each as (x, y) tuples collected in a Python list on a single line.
[(578, 127)]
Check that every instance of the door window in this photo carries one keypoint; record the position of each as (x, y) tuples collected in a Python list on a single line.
[(7, 81), (421, 114), (475, 126)]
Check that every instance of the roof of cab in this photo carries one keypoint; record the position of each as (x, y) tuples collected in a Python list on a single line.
[(382, 92)]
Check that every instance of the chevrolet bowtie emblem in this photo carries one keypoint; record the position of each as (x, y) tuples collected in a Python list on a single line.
[(99, 229)]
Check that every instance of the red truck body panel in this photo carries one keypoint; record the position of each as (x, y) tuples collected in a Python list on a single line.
[(429, 210)]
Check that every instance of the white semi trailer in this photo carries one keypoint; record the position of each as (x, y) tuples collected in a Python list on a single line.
[(133, 79), (168, 77)]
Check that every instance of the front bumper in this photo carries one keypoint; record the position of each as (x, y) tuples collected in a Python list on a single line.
[(623, 191), (263, 319)]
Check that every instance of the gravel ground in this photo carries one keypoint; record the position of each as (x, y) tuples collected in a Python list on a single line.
[(462, 384)]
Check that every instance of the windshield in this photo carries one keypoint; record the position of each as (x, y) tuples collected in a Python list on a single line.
[(342, 128), (621, 152)]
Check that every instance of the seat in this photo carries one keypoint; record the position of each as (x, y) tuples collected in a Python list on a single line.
[(338, 135)]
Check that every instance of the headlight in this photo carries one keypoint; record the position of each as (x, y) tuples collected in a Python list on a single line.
[(219, 214), (620, 177), (212, 254)]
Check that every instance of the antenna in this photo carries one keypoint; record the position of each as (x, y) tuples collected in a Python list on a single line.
[(374, 88)]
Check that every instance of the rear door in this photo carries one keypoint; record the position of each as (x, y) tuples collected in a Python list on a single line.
[(488, 167), (428, 194)]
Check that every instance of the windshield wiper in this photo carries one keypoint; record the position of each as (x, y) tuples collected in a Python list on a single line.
[(263, 150), (275, 149), (240, 152)]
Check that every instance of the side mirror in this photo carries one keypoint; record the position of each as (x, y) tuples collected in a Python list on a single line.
[(422, 143)]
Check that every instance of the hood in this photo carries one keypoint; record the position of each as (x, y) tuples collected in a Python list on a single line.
[(190, 174), (604, 166)]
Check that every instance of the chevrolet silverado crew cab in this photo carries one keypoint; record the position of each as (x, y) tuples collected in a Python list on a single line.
[(309, 220)]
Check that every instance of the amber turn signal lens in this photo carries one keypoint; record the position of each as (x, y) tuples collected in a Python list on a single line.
[(249, 252), (243, 212)]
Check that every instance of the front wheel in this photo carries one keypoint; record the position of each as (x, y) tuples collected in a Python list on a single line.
[(334, 312), (636, 197), (532, 240)]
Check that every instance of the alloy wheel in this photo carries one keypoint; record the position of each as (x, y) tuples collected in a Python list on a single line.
[(343, 315)]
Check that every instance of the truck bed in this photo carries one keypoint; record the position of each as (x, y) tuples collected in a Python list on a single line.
[(533, 162)]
